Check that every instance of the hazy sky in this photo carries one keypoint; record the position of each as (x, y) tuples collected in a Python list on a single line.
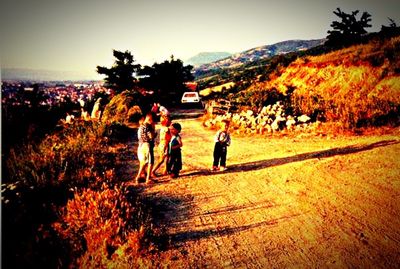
[(78, 35)]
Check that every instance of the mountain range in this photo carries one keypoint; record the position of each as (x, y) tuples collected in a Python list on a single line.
[(206, 57), (260, 53)]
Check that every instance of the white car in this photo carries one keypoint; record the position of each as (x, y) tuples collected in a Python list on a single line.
[(190, 97)]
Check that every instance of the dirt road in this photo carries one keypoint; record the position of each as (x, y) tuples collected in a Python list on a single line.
[(284, 202)]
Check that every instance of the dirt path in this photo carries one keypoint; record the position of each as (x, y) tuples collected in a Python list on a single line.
[(284, 202)]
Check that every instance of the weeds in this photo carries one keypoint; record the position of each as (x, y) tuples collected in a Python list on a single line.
[(62, 206)]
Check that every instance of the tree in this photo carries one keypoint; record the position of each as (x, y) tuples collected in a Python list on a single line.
[(349, 30), (166, 79), (120, 76), (391, 30)]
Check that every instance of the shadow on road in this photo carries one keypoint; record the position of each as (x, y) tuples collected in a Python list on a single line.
[(179, 238), (168, 211), (256, 165)]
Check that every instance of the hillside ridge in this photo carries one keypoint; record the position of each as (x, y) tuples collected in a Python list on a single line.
[(206, 57), (261, 52)]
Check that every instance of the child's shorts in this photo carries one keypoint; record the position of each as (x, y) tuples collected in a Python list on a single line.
[(144, 155)]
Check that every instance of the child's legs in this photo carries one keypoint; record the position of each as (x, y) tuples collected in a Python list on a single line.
[(148, 171), (143, 156), (151, 153), (169, 164), (223, 156), (165, 162), (175, 170), (162, 157), (151, 161), (217, 154), (142, 168), (160, 161), (176, 164)]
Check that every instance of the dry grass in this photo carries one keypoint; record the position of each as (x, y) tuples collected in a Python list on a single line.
[(217, 88), (353, 86)]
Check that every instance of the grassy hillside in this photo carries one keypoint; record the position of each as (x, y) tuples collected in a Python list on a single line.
[(355, 86), (244, 63)]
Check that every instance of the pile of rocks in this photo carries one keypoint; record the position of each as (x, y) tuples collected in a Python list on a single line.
[(272, 118)]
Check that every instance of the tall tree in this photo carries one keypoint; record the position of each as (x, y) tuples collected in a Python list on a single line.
[(167, 79), (349, 30), (121, 75)]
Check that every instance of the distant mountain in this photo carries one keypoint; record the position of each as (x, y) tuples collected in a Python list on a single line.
[(206, 57), (259, 53), (42, 75)]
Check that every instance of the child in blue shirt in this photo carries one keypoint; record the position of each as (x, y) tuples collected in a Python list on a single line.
[(174, 162)]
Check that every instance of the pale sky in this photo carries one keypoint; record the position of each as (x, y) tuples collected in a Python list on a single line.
[(78, 35)]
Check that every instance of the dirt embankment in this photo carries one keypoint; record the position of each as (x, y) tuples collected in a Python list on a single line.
[(284, 202)]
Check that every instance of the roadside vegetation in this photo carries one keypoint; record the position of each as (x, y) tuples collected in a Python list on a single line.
[(65, 206)]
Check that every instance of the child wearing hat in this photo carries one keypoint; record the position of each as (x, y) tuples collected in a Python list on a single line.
[(174, 162)]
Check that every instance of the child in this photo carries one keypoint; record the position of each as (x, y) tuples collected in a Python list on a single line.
[(165, 138), (146, 136), (174, 162), (222, 141)]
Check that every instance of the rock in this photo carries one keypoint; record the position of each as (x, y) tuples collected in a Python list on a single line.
[(264, 110), (303, 118), (249, 113), (290, 123), (275, 126)]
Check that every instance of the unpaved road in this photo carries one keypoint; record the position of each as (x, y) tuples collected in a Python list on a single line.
[(310, 202)]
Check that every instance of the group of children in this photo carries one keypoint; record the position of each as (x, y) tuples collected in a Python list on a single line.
[(169, 147)]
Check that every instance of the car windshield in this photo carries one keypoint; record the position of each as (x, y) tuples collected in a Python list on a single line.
[(190, 95)]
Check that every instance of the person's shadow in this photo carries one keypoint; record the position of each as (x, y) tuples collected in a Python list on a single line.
[(256, 165), (171, 211)]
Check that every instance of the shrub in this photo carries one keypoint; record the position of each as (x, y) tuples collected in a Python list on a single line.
[(104, 227), (75, 155), (122, 109), (41, 176)]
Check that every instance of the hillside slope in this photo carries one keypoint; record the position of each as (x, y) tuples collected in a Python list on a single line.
[(261, 52), (353, 85)]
